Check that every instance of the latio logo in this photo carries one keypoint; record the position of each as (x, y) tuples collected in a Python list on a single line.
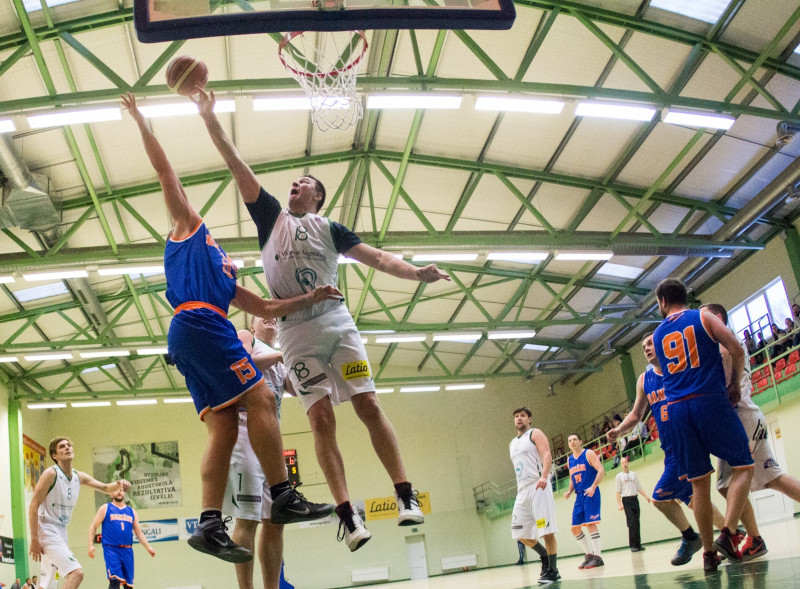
[(358, 369)]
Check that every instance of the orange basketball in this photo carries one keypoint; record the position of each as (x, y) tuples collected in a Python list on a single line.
[(185, 74)]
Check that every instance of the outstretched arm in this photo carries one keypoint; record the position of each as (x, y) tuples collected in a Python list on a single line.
[(386, 262), (107, 488), (635, 416), (183, 214), (250, 302), (249, 186)]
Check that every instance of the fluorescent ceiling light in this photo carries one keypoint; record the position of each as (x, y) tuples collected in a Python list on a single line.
[(40, 292), (530, 105), (386, 390), (91, 404), (708, 10), (399, 338), (239, 263), (46, 405), (74, 117), (364, 340), (104, 353), (413, 101), (6, 279), (48, 357), (138, 402), (431, 389), (179, 109), (583, 256), (499, 334), (444, 257), (464, 387), (457, 337), (536, 347), (279, 103), (523, 257), (620, 270), (34, 5), (260, 263), (180, 399), (377, 331), (345, 260), (7, 126), (118, 271), (5, 359), (60, 275), (151, 351), (614, 111), (707, 121)]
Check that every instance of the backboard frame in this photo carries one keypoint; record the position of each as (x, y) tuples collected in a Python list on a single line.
[(248, 23)]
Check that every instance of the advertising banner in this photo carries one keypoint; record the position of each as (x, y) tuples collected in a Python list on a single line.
[(159, 530), (386, 507)]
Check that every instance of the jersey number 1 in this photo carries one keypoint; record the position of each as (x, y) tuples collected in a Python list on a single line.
[(677, 346)]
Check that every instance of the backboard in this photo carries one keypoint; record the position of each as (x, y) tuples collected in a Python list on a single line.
[(170, 20)]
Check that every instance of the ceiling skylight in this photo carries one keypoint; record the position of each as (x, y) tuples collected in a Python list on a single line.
[(34, 5), (706, 10), (619, 270)]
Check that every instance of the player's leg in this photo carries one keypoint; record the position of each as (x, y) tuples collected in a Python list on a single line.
[(270, 553), (323, 427), (244, 534), (384, 441), (263, 430), (594, 541), (672, 511), (73, 579), (786, 484), (223, 429)]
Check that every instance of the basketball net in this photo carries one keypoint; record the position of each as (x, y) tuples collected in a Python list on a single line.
[(326, 65)]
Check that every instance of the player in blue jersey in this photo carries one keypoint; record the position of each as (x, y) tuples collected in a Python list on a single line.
[(585, 473), (201, 284), (119, 523), (700, 411), (321, 345), (670, 488)]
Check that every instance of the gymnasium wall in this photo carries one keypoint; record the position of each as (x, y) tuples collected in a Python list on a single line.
[(7, 574)]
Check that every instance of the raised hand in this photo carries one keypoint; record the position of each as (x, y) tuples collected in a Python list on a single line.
[(129, 104), (205, 101), (326, 293), (431, 273)]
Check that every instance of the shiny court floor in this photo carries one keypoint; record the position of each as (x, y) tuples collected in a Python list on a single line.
[(780, 568)]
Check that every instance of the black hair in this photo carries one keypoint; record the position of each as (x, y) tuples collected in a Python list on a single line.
[(717, 309), (672, 291), (524, 410)]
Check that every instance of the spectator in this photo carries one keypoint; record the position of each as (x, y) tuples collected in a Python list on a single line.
[(16, 584), (749, 343), (635, 439), (776, 345), (760, 345), (792, 334), (628, 486), (27, 584), (35, 582)]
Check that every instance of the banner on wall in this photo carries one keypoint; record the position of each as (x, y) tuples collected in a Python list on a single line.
[(7, 551), (386, 507), (153, 470), (35, 457), (159, 530)]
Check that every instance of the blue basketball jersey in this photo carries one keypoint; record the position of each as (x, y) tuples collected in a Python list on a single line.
[(581, 472), (689, 356), (118, 525), (197, 269), (653, 385)]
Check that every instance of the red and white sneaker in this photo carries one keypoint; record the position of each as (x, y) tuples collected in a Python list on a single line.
[(753, 548)]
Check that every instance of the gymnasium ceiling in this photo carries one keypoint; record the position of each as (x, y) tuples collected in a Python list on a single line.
[(664, 198)]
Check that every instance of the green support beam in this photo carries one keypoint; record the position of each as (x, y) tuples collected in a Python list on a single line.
[(792, 245), (19, 512)]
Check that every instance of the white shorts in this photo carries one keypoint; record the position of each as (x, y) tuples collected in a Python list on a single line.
[(325, 357), (766, 467), (534, 513), (57, 557), (247, 495)]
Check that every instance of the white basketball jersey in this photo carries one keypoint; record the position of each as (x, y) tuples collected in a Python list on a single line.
[(746, 384), (526, 459), (57, 507), (299, 256), (276, 375)]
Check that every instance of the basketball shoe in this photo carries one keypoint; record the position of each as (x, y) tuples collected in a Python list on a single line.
[(549, 576), (290, 506), (408, 507), (686, 550), (724, 544), (753, 548), (211, 537), (595, 562), (353, 532), (586, 561), (711, 561)]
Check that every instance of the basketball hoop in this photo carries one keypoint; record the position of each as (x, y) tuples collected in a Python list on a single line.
[(326, 65)]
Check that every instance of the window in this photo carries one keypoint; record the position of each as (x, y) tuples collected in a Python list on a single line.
[(768, 305)]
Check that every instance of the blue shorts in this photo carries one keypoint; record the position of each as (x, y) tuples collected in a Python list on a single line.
[(586, 509), (704, 425), (119, 563), (205, 348), (671, 486)]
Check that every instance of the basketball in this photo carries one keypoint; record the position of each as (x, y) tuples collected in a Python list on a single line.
[(185, 74)]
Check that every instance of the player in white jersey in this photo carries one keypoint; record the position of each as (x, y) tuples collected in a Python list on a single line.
[(50, 511), (767, 474), (247, 497), (534, 515), (322, 347)]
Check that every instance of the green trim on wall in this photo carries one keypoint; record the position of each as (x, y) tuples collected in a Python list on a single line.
[(792, 245), (18, 511)]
